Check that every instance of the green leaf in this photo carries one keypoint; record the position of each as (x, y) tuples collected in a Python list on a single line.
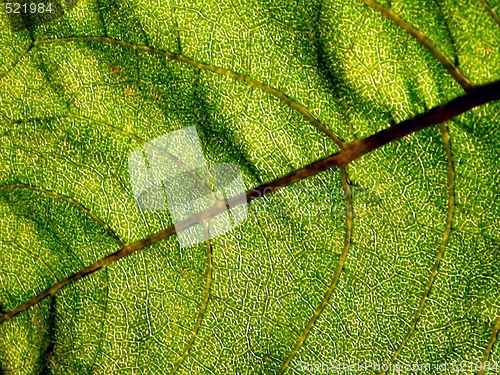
[(389, 261)]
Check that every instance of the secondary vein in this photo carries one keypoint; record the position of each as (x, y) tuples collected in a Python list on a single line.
[(215, 69), (354, 150), (455, 72)]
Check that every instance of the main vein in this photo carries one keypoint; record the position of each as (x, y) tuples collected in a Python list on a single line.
[(353, 150)]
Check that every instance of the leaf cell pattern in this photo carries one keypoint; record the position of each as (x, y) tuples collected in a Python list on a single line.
[(315, 102)]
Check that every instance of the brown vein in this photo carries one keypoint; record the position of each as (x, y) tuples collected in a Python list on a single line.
[(427, 43), (215, 69), (354, 150), (439, 256), (204, 303), (71, 201), (336, 275), (489, 346), (491, 11)]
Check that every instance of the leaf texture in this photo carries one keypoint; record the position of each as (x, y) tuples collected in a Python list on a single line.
[(391, 260)]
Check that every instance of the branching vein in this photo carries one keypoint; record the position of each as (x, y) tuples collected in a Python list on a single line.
[(491, 11), (489, 346), (70, 200), (204, 303), (354, 150), (215, 69), (426, 42), (439, 256), (336, 275)]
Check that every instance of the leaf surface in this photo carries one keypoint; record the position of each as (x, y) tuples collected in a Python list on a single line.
[(404, 243)]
